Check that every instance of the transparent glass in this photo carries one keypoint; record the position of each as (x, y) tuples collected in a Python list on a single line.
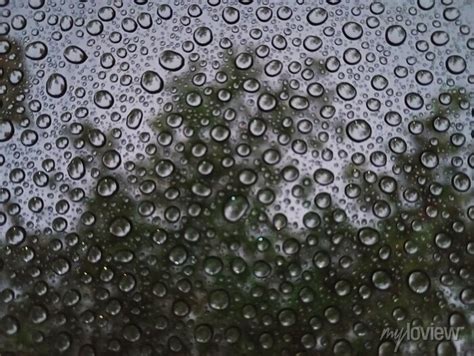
[(236, 177)]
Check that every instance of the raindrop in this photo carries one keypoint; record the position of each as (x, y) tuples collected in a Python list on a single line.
[(456, 64), (346, 91), (36, 50), (231, 15), (151, 82), (264, 13), (419, 282), (171, 60), (76, 168), (315, 90), (467, 296), (352, 30), (352, 56), (56, 85), (103, 99), (267, 102), (107, 186), (75, 55), (414, 101), (439, 38), (235, 208), (381, 280), (243, 61), (120, 227), (178, 255), (395, 35), (165, 12), (368, 236), (461, 182), (134, 119), (323, 176), (203, 36), (358, 130), (6, 130), (15, 235), (317, 16), (426, 4), (429, 159), (312, 43)]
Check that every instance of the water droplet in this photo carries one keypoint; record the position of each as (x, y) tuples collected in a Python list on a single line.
[(76, 168), (368, 236), (461, 182), (152, 82), (323, 176), (352, 30), (56, 85), (456, 64), (235, 208), (219, 299), (15, 235), (419, 282), (243, 61), (120, 227), (171, 60), (178, 255), (358, 130), (203, 36), (346, 91), (36, 50), (317, 16), (6, 130), (395, 35), (103, 99), (231, 15), (381, 280), (75, 54)]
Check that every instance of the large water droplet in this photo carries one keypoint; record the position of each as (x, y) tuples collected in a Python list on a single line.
[(36, 50), (358, 130), (75, 54), (152, 82), (6, 130), (56, 85), (76, 168), (235, 208), (171, 60), (317, 16), (419, 282), (395, 35)]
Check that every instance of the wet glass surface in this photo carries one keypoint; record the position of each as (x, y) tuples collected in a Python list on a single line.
[(235, 177)]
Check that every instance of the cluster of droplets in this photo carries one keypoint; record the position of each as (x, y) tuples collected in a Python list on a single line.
[(233, 178)]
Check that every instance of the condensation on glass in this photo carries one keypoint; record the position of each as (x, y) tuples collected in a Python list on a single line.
[(235, 177)]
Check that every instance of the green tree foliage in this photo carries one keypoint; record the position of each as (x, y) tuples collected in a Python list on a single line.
[(187, 243)]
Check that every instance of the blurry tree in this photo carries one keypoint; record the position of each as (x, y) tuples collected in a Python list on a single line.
[(192, 246)]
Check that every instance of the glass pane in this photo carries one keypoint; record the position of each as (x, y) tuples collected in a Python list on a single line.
[(229, 177)]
